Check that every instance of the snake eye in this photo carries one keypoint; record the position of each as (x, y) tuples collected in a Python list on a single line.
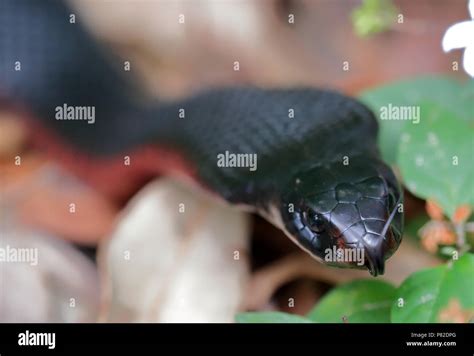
[(315, 221)]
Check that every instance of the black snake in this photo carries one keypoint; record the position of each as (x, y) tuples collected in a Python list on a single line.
[(317, 170)]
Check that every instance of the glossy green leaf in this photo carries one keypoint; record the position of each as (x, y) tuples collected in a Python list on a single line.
[(449, 94), (436, 158), (426, 294), (361, 301)]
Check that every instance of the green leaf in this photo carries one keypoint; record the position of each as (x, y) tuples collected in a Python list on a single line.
[(447, 251), (270, 317), (373, 16), (436, 158), (361, 301), (449, 94), (427, 293)]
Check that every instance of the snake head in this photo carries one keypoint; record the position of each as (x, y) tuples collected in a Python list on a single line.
[(346, 216)]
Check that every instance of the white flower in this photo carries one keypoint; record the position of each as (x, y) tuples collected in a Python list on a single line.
[(461, 35)]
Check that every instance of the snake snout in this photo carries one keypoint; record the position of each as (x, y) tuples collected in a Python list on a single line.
[(375, 258), (381, 237)]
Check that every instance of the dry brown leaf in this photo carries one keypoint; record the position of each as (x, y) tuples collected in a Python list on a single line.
[(12, 134), (435, 233), (461, 214), (50, 209), (171, 46), (264, 283), (434, 210), (54, 284), (47, 198), (454, 313), (163, 265)]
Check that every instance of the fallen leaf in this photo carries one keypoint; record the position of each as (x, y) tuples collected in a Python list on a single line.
[(435, 233), (461, 214), (175, 256), (12, 134), (268, 279), (434, 210), (454, 313), (51, 282), (49, 199)]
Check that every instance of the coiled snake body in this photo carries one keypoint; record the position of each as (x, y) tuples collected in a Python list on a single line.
[(318, 174)]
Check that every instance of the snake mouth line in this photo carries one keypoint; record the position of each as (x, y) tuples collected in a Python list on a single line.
[(375, 261), (391, 216), (375, 264)]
